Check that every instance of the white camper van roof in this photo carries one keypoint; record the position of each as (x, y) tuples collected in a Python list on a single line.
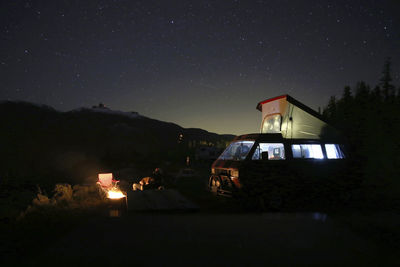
[(284, 114), (290, 99)]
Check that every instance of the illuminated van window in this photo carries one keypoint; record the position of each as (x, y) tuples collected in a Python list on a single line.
[(237, 150), (333, 151), (272, 124), (307, 151), (276, 151)]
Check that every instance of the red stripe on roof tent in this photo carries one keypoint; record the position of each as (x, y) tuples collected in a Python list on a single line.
[(272, 99), (269, 100)]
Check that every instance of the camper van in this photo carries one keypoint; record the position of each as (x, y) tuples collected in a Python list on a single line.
[(293, 138), (257, 154)]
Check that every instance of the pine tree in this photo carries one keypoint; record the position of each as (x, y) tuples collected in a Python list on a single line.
[(377, 93), (345, 106), (330, 111), (385, 81), (362, 93), (347, 94)]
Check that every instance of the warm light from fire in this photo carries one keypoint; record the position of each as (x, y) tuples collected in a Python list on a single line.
[(115, 194)]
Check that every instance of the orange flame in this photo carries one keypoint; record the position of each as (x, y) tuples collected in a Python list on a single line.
[(115, 194)]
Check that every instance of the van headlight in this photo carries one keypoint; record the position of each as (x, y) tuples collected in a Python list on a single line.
[(235, 173)]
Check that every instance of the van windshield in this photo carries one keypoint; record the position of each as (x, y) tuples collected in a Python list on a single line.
[(237, 150)]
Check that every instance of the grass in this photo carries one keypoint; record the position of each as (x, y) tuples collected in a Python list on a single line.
[(27, 229), (30, 236)]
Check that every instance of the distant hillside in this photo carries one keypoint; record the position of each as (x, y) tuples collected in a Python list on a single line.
[(40, 141)]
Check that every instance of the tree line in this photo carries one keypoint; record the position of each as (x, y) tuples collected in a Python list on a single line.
[(369, 120)]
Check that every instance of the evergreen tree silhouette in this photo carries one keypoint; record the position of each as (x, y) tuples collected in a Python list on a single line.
[(385, 81), (347, 94), (370, 121), (330, 111), (362, 92), (376, 93), (345, 108)]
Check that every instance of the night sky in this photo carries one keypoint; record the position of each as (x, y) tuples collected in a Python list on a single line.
[(203, 64)]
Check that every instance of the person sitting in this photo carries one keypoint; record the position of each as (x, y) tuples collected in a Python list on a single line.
[(154, 182)]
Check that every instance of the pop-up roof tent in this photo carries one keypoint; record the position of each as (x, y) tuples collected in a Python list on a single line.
[(285, 115)]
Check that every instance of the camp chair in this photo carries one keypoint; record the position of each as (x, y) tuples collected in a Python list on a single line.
[(107, 181)]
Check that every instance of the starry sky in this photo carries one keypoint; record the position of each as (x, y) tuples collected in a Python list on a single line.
[(202, 64)]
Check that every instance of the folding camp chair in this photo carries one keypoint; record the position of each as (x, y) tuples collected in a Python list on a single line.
[(107, 181)]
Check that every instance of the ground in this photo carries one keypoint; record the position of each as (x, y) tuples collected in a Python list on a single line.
[(214, 239), (217, 232)]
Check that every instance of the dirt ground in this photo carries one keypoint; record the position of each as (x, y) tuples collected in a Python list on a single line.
[(195, 239), (213, 232)]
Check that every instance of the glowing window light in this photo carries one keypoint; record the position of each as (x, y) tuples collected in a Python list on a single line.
[(276, 151), (317, 152), (333, 151), (237, 150), (272, 124), (307, 151)]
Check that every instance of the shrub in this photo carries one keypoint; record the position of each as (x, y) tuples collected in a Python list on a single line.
[(66, 197)]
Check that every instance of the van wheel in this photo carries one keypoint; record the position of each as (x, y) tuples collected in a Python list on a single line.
[(215, 184)]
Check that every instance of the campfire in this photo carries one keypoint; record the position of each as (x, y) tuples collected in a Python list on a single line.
[(115, 193), (117, 199), (110, 186)]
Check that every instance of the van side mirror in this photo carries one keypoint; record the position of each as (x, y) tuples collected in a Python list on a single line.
[(264, 155)]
